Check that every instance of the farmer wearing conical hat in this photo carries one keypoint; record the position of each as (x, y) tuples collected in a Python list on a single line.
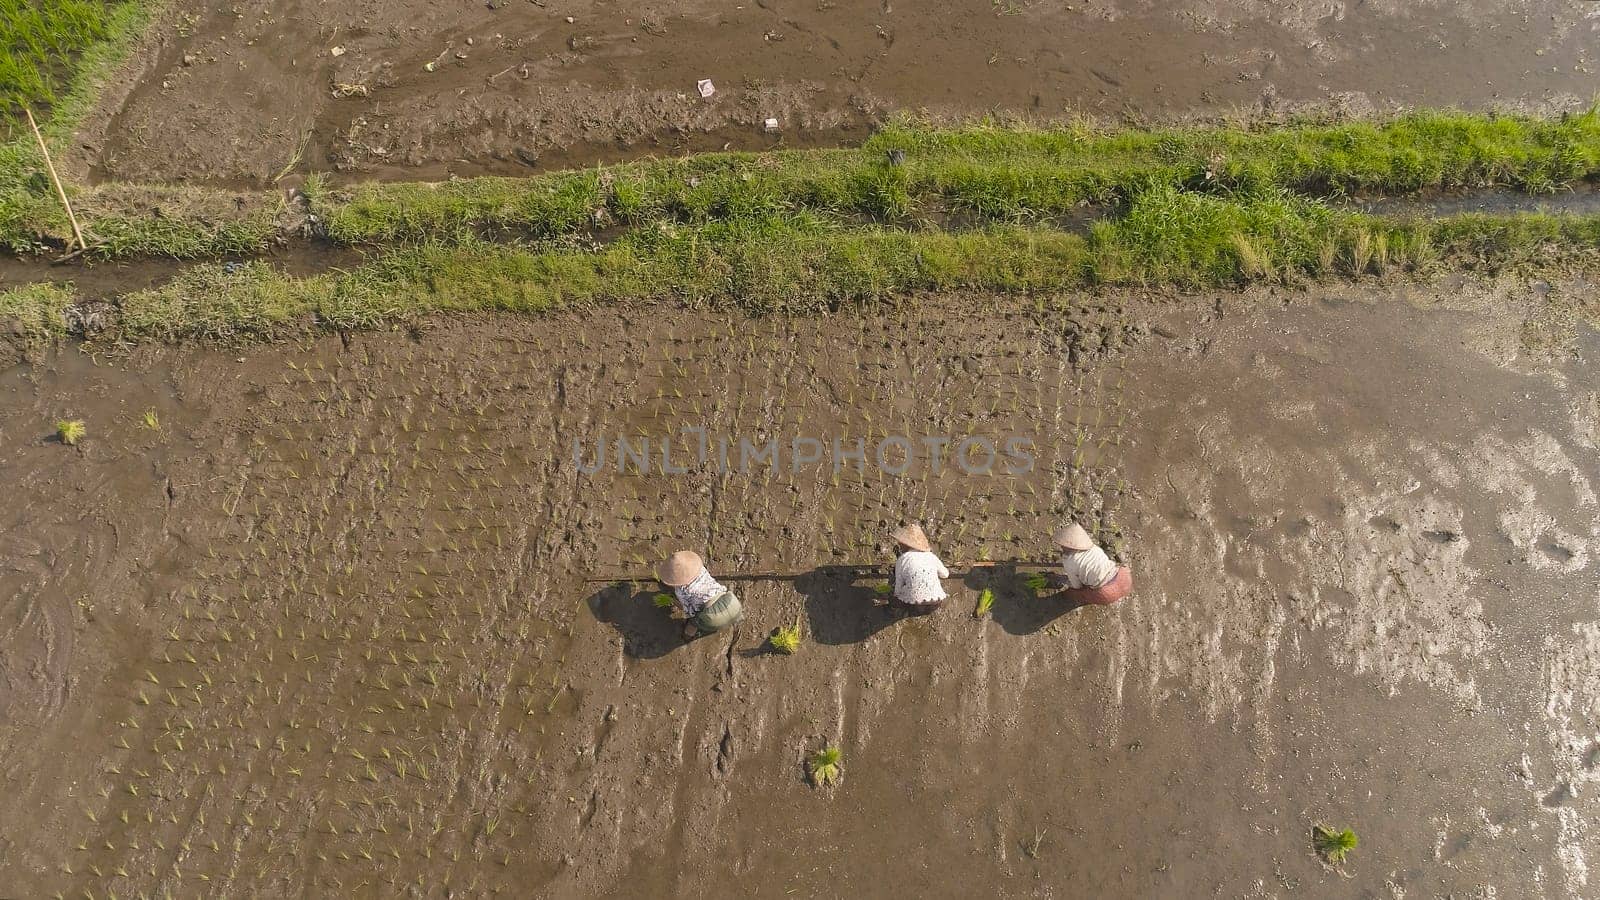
[(1089, 574), (917, 572), (705, 603)]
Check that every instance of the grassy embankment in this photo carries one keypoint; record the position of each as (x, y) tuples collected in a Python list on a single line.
[(54, 56), (950, 180), (986, 207), (1166, 237)]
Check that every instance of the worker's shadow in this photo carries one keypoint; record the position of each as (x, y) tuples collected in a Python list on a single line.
[(648, 631), (843, 606), (1017, 608)]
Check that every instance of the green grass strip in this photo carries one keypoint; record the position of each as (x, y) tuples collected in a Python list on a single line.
[(1168, 238), (989, 174), (953, 179)]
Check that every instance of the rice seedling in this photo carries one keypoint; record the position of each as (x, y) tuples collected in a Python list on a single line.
[(785, 639), (150, 420), (826, 766), (1333, 845), (71, 431), (985, 603), (663, 601)]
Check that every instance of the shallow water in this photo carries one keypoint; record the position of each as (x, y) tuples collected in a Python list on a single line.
[(1361, 537)]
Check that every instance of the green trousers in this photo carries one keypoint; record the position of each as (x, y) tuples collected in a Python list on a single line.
[(720, 613)]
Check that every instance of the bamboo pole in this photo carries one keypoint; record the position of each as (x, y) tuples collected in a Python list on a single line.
[(56, 180), (864, 567)]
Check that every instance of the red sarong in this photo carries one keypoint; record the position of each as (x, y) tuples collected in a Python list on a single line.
[(1106, 594)]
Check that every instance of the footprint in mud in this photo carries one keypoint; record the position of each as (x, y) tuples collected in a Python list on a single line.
[(1558, 795), (725, 750), (1559, 549), (1561, 555), (1384, 522)]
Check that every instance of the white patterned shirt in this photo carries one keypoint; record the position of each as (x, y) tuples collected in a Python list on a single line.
[(916, 577), (694, 596), (1089, 568)]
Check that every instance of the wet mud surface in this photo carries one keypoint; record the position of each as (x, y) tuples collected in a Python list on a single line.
[(332, 629), (414, 89)]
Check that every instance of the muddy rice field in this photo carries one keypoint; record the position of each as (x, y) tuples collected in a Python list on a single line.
[(349, 623), (364, 615), (421, 89)]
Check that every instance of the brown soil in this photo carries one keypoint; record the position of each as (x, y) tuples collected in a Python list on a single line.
[(515, 86), (329, 631)]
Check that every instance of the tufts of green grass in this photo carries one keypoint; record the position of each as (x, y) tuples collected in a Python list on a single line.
[(826, 766), (1333, 845), (71, 431), (975, 177), (987, 174), (1424, 150), (1167, 237), (1173, 236), (195, 223), (224, 303), (37, 312), (785, 639)]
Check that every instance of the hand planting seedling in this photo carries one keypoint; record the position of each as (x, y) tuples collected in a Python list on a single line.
[(1333, 845), (985, 603), (883, 589), (71, 431), (1035, 582), (826, 766), (786, 640), (663, 601)]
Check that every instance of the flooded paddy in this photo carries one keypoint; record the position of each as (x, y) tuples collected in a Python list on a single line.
[(346, 622), (412, 90)]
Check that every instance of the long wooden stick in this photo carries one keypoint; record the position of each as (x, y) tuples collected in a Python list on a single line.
[(56, 180), (757, 576)]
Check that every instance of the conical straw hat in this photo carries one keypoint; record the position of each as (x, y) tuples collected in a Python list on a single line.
[(1073, 537), (680, 568), (912, 536)]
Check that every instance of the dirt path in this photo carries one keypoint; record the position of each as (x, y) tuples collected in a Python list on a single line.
[(326, 631), (426, 89)]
